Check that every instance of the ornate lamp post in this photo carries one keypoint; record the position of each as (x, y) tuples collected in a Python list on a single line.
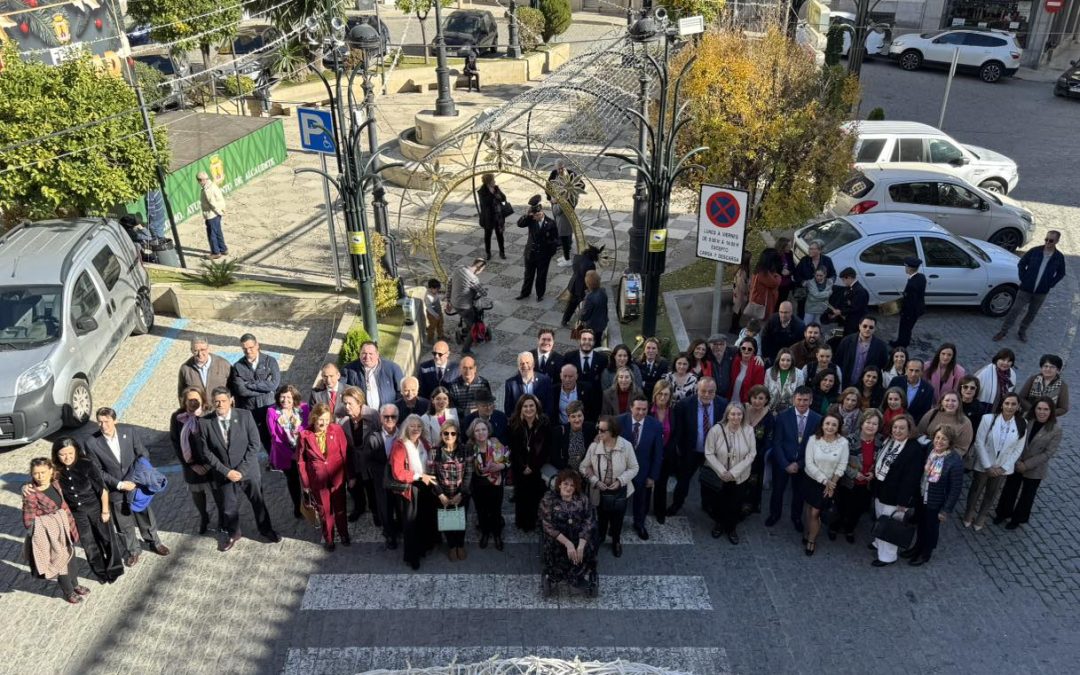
[(658, 167), (444, 103), (354, 174), (514, 50)]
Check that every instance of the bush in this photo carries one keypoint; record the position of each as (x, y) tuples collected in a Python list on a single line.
[(150, 80), (557, 17), (386, 287), (217, 273), (877, 114), (238, 86), (350, 346), (530, 28), (291, 62), (834, 44)]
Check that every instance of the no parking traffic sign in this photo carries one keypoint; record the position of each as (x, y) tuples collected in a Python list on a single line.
[(721, 224)]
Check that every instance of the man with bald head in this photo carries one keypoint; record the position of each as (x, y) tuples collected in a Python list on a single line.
[(410, 402), (438, 371), (528, 381), (329, 390), (570, 390), (465, 387), (782, 330)]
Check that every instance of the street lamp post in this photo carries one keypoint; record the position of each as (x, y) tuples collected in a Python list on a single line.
[(354, 176), (658, 166), (640, 223), (444, 103), (514, 40)]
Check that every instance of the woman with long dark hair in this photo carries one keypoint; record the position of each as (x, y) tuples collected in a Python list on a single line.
[(698, 353), (620, 357), (452, 464), (1040, 445), (944, 373), (760, 419), (825, 391), (781, 380), (529, 435), (853, 492), (86, 495), (998, 445), (871, 389), (491, 200)]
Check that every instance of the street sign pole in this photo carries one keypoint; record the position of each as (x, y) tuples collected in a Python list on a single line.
[(330, 225), (948, 86), (721, 235), (717, 298)]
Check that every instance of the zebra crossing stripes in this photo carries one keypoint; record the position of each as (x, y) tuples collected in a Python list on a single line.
[(499, 591), (675, 531), (351, 660)]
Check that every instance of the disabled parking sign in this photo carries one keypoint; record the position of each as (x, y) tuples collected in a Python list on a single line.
[(721, 224), (316, 130)]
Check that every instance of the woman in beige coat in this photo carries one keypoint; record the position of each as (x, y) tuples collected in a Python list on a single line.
[(948, 413), (1041, 444), (610, 466), (730, 448)]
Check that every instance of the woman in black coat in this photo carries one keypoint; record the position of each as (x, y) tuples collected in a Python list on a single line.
[(594, 313), (898, 471), (529, 438), (86, 495), (491, 200), (583, 263)]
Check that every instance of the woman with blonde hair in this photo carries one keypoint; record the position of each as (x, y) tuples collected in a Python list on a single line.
[(730, 449)]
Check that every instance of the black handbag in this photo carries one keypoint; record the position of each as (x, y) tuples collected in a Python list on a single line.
[(394, 485), (900, 533), (613, 501), (505, 209)]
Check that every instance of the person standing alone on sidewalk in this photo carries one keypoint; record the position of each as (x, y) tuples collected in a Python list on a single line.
[(1040, 270), (542, 244), (213, 209)]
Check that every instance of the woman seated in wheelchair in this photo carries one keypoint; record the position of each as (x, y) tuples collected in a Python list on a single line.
[(569, 521)]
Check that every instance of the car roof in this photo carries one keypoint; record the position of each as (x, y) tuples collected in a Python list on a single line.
[(842, 15), (906, 171), (23, 258), (867, 127), (471, 12), (875, 224)]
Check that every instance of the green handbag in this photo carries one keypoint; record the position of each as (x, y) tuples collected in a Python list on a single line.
[(452, 519)]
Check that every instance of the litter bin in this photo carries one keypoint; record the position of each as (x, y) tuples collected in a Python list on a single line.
[(165, 252)]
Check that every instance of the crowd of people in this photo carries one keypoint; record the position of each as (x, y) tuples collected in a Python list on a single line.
[(852, 425)]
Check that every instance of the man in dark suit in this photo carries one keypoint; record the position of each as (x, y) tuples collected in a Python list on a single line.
[(590, 365), (115, 448), (329, 391), (782, 330), (859, 350), (918, 393), (203, 370), (254, 382), (375, 453), (465, 388), (646, 434), (849, 302), (527, 381), (409, 402), (570, 390), (229, 443), (377, 378), (693, 417), (653, 367), (566, 437), (496, 419), (791, 431), (437, 371), (548, 361), (914, 303)]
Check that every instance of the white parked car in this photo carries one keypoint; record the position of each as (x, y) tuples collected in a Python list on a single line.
[(992, 54), (959, 271), (886, 142), (940, 195)]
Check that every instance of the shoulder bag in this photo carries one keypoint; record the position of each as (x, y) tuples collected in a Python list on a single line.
[(452, 519), (505, 209), (394, 485), (895, 531), (613, 501)]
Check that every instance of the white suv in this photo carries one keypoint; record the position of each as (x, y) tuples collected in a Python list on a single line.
[(992, 54)]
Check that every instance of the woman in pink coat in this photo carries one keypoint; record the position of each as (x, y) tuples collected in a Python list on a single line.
[(324, 472)]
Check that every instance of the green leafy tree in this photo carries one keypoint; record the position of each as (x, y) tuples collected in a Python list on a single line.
[(834, 44), (557, 17), (771, 120), (531, 27), (151, 80), (708, 9), (421, 8), (190, 23), (293, 57), (86, 169)]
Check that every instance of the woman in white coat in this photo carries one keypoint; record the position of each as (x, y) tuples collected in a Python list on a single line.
[(437, 415), (730, 448), (998, 445), (610, 466), (826, 461)]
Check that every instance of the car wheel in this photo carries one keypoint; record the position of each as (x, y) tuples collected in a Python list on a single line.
[(144, 314), (999, 301), (911, 60), (1009, 239), (994, 185), (991, 72), (79, 403)]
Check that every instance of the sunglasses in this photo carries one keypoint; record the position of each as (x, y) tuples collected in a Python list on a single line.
[(389, 417), (449, 433), (439, 354), (746, 349), (968, 386), (1050, 241), (602, 430)]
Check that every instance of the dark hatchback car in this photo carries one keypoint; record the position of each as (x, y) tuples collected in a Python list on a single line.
[(475, 28), (1068, 84), (374, 22)]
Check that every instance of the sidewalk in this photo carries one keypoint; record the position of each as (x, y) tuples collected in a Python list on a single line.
[(1050, 72)]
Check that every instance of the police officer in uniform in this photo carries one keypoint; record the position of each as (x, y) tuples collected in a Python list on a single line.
[(542, 244)]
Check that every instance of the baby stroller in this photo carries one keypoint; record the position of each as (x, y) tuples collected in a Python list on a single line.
[(553, 557)]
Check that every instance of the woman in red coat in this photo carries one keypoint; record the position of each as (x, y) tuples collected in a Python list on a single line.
[(324, 472), (746, 372)]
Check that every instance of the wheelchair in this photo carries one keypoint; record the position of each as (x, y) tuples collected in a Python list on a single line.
[(548, 550)]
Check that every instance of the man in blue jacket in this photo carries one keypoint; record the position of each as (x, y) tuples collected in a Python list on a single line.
[(790, 434), (1040, 269), (646, 434), (378, 379), (693, 417)]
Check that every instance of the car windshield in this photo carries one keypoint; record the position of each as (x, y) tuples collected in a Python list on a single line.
[(463, 24), (931, 34), (160, 63), (246, 44), (28, 316), (972, 249), (833, 233)]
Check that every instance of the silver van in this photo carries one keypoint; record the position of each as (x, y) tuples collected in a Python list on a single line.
[(70, 292)]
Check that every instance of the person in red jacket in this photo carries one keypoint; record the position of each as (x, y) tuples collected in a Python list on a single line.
[(324, 472), (746, 371)]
